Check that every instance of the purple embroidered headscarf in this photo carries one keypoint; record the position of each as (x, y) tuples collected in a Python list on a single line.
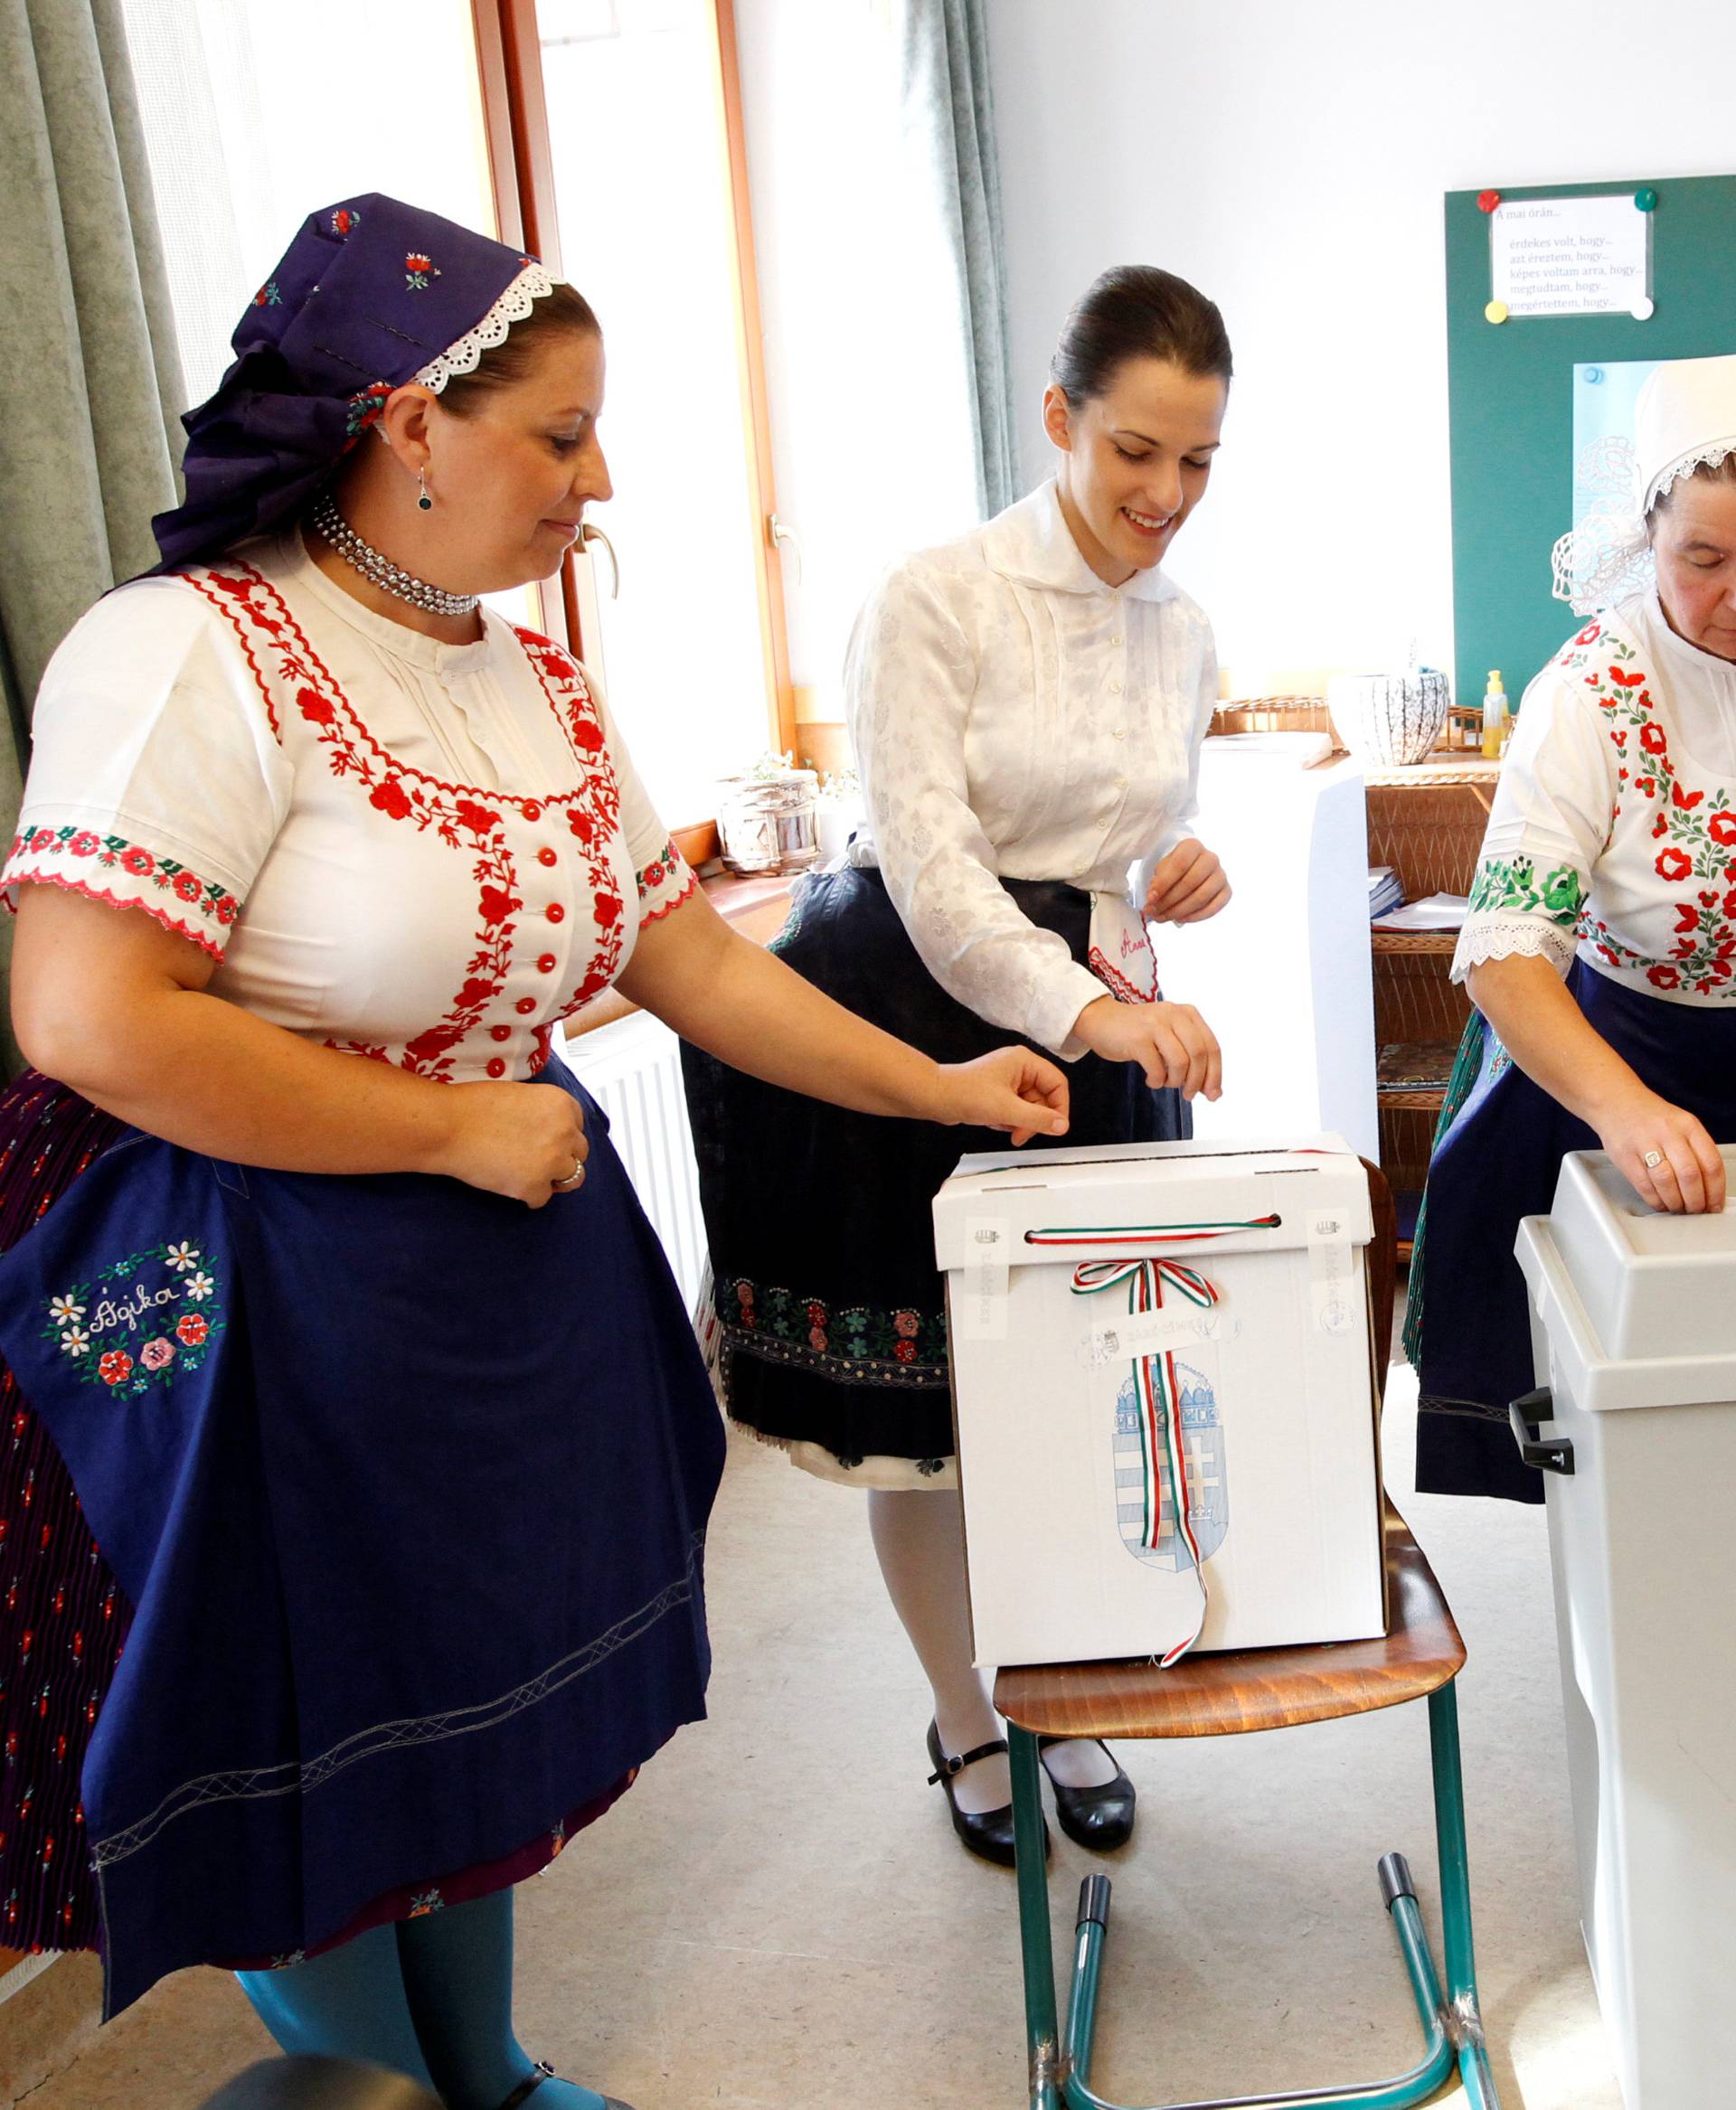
[(372, 293)]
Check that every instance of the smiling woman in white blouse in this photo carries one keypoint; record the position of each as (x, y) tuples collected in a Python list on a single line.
[(1026, 705), (1601, 945)]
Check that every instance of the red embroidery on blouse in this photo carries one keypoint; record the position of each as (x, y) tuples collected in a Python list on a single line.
[(206, 899), (594, 826), (666, 865), (465, 817), (1701, 833), (663, 908), (162, 916)]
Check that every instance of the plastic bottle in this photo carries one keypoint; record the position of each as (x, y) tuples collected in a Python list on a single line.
[(1495, 716)]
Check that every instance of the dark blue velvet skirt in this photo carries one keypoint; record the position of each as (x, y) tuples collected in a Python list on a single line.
[(1497, 1159), (409, 1486)]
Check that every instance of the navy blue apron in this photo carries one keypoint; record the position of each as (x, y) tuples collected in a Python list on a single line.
[(1497, 1159), (409, 1486)]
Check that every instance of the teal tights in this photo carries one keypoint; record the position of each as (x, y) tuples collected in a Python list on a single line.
[(431, 1998)]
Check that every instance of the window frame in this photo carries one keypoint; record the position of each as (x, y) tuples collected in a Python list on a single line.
[(521, 158)]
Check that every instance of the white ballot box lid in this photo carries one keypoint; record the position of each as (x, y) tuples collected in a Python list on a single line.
[(1315, 1188), (1639, 1304)]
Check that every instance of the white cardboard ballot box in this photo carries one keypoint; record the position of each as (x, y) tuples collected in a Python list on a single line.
[(1072, 1403)]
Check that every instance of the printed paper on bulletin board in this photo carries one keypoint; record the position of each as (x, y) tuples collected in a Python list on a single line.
[(1511, 400)]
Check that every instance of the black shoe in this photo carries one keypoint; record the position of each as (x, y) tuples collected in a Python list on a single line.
[(1100, 1818), (989, 1832)]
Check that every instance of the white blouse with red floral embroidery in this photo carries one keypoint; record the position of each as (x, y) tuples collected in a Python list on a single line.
[(1613, 829), (426, 854)]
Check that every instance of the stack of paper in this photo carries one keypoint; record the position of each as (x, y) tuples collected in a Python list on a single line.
[(1434, 912)]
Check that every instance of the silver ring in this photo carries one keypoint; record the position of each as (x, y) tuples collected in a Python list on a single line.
[(1652, 1160), (575, 1178)]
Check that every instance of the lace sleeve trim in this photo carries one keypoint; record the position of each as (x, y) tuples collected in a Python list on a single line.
[(1502, 937)]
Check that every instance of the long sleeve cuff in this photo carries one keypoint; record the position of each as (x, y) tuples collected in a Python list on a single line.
[(1055, 1005)]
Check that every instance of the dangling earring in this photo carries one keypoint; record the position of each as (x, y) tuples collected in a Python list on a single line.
[(424, 503)]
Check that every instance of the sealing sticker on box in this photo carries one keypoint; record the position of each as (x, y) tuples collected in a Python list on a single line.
[(1141, 1333), (980, 1313), (1331, 1280)]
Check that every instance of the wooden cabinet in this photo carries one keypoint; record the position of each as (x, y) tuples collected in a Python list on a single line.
[(1427, 822)]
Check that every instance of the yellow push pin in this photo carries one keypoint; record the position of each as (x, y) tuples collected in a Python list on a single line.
[(1496, 312)]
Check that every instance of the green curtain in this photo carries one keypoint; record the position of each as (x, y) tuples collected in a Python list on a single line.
[(90, 381), (949, 112)]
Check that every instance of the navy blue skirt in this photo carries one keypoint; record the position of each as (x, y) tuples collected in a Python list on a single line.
[(409, 1486), (831, 1313), (1499, 1158)]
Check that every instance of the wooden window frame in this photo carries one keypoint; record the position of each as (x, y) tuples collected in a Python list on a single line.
[(521, 160)]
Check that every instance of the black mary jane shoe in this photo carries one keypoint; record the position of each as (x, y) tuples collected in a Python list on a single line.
[(1099, 1818), (987, 1832), (531, 2082)]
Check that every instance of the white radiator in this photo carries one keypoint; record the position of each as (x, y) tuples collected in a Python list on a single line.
[(632, 1069)]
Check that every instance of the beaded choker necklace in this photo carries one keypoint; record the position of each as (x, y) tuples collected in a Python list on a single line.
[(331, 526)]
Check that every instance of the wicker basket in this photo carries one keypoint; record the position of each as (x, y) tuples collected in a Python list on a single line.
[(1275, 714)]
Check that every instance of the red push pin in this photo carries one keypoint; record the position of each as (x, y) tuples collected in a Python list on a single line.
[(1486, 201)]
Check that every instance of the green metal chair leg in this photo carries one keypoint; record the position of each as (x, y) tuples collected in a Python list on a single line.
[(1400, 2092), (1036, 1944), (1464, 2017)]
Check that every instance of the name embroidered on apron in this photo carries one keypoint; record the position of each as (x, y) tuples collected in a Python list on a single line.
[(1122, 956)]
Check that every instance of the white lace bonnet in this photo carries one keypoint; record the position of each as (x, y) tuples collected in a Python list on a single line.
[(1685, 419)]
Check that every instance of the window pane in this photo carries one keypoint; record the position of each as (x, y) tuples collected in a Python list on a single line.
[(867, 365), (257, 114), (647, 235)]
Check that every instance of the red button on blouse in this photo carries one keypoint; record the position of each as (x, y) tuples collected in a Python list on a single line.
[(496, 1067), (532, 812), (546, 856), (500, 1033), (526, 1006), (545, 964), (555, 912)]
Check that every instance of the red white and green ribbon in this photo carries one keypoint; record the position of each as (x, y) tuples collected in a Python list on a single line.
[(1143, 1234), (1158, 1391), (1156, 1386)]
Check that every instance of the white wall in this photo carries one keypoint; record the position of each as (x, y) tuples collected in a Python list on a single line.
[(1289, 157)]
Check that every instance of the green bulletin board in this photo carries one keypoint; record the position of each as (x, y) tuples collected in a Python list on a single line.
[(1510, 404)]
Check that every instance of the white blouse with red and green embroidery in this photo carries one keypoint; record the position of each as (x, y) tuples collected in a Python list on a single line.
[(1613, 828), (426, 854)]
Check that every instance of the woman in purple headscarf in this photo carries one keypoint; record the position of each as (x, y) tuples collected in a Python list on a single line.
[(366, 1365)]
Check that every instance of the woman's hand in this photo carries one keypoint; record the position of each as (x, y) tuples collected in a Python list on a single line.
[(1171, 1042), (1186, 886), (1689, 1177), (515, 1139), (1010, 1088)]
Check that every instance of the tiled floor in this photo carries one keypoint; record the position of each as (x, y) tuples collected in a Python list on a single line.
[(777, 1917)]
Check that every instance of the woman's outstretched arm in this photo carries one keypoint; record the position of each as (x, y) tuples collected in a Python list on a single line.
[(1544, 1031), (740, 1003)]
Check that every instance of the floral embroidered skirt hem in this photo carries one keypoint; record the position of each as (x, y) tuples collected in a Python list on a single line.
[(414, 1533), (829, 1311), (1497, 1160)]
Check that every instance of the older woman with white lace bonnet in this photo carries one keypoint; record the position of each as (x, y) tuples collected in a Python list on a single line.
[(1600, 944)]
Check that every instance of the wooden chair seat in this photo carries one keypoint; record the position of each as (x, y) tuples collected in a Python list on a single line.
[(1228, 1694)]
